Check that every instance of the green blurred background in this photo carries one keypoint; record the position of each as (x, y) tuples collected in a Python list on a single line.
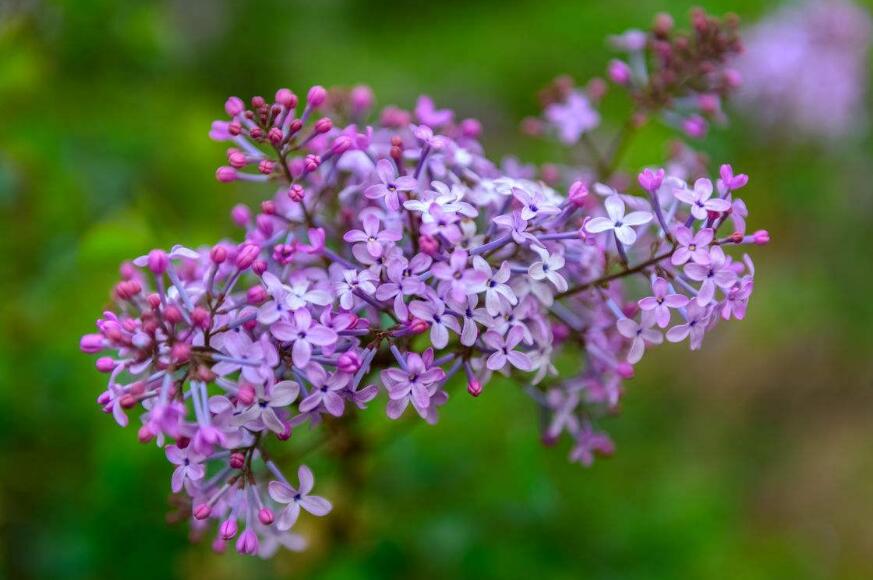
[(750, 459)]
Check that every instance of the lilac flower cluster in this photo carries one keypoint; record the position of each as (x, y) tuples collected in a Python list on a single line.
[(803, 55), (390, 259)]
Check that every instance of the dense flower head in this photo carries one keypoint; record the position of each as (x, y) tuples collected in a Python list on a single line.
[(392, 261)]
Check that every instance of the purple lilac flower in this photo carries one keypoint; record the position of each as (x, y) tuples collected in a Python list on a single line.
[(295, 499)]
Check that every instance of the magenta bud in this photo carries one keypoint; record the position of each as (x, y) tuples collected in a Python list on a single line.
[(625, 370), (268, 207), (145, 434), (234, 106), (225, 174), (428, 244), (285, 435), (247, 543), (619, 72), (158, 261), (246, 255), (266, 167), (695, 126), (578, 193), (418, 326), (181, 352), (91, 343), (295, 192), (323, 125), (311, 163), (240, 214), (361, 98), (227, 529), (265, 516), (246, 394), (349, 362), (202, 511), (237, 159), (341, 144), (200, 317), (275, 136), (219, 546), (218, 254), (172, 314), (471, 128), (106, 364), (237, 460), (761, 237), (474, 387), (256, 295), (286, 98), (264, 224), (651, 180), (259, 267), (316, 96), (732, 78)]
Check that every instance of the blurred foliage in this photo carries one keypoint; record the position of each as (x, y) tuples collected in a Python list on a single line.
[(751, 459)]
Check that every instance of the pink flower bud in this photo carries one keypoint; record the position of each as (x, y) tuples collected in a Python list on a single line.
[(247, 543), (651, 180), (219, 546), (471, 128), (474, 387), (311, 163), (266, 167), (237, 159), (157, 261), (275, 136), (106, 364), (619, 72), (237, 460), (259, 267), (227, 529), (625, 370), (240, 214), (202, 511), (200, 317), (181, 352), (316, 96), (258, 102), (172, 314), (91, 343), (418, 326), (695, 126), (264, 224), (578, 193), (225, 174), (246, 394), (246, 255), (286, 98), (218, 254), (323, 125), (295, 192), (145, 434), (234, 106), (349, 362), (285, 435), (732, 78), (256, 295), (265, 516), (361, 98), (761, 237), (428, 244), (341, 144)]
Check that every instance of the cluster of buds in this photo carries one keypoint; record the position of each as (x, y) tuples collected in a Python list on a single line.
[(392, 263)]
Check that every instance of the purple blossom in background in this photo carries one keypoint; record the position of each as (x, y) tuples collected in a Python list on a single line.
[(806, 68), (396, 261)]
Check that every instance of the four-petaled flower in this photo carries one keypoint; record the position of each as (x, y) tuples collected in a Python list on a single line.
[(303, 334), (717, 273), (391, 185), (371, 235), (700, 200), (662, 301), (692, 246), (640, 334), (617, 221), (298, 498), (189, 468), (504, 350), (547, 268)]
